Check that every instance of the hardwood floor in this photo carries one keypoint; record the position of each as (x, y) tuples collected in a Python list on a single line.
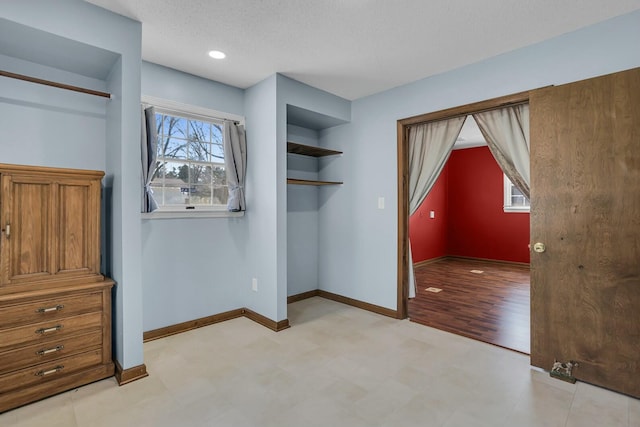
[(492, 306)]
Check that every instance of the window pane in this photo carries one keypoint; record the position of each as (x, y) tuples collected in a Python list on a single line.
[(158, 191), (216, 133), (517, 198), (174, 126), (159, 124), (174, 148), (201, 174), (176, 183), (216, 139), (199, 131), (217, 152), (220, 194), (201, 194), (200, 151), (176, 173), (219, 176)]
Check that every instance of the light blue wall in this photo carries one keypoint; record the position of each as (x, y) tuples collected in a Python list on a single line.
[(195, 267), (302, 216), (46, 126), (264, 225), (358, 258), (166, 83), (93, 26)]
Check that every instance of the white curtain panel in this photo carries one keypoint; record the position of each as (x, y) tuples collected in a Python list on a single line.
[(506, 131), (148, 151), (235, 161), (430, 145)]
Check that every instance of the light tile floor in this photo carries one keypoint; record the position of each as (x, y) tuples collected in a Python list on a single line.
[(336, 366)]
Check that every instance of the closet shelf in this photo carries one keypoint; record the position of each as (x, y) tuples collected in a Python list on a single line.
[(308, 150), (309, 182)]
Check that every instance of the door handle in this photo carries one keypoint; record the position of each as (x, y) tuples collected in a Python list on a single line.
[(539, 247), (7, 230)]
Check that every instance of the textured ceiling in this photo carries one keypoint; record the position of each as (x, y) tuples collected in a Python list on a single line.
[(351, 48)]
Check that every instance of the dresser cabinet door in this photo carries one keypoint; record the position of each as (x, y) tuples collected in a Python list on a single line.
[(51, 228), (27, 228), (76, 219)]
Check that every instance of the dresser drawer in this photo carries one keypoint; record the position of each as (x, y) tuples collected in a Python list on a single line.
[(52, 329), (49, 309), (23, 357), (49, 370)]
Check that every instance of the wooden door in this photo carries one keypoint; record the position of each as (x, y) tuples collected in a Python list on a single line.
[(26, 221), (585, 194)]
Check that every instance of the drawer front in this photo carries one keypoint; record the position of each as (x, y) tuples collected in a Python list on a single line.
[(48, 351), (52, 308), (50, 370), (52, 329)]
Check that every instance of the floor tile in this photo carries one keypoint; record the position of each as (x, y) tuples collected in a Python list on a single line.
[(336, 366)]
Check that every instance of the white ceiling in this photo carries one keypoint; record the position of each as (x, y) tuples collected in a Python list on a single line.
[(351, 48), (470, 135)]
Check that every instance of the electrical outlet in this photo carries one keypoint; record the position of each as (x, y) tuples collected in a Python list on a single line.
[(254, 284)]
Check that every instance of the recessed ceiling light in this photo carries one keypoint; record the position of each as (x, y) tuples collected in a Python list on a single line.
[(216, 54)]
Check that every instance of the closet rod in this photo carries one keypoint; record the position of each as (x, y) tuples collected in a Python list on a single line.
[(54, 84)]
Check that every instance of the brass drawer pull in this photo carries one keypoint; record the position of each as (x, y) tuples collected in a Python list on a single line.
[(50, 350), (47, 330), (50, 309), (50, 371)]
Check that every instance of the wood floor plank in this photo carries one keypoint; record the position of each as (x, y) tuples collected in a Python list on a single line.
[(492, 306)]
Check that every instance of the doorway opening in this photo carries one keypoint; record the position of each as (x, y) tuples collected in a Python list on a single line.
[(484, 300)]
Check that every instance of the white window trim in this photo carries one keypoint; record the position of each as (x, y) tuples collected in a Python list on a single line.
[(190, 111), (184, 213), (196, 113), (507, 198)]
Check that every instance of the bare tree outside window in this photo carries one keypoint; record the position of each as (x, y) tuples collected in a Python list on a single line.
[(190, 164)]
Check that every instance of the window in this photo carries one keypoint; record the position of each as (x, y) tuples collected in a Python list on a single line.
[(190, 173), (514, 200)]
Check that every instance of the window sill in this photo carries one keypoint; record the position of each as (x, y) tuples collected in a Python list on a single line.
[(509, 209), (191, 214)]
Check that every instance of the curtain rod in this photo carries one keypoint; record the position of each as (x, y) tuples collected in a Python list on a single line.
[(466, 114), (54, 84)]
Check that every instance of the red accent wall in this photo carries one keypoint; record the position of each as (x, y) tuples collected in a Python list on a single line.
[(473, 221), (429, 236)]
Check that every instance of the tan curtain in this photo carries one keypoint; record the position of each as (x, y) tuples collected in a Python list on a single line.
[(506, 131), (430, 145)]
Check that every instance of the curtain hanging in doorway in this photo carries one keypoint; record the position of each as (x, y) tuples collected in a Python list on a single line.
[(506, 131), (429, 147)]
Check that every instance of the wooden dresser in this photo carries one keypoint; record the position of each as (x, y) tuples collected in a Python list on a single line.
[(55, 306)]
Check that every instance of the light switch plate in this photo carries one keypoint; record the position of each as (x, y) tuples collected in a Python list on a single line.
[(380, 202)]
